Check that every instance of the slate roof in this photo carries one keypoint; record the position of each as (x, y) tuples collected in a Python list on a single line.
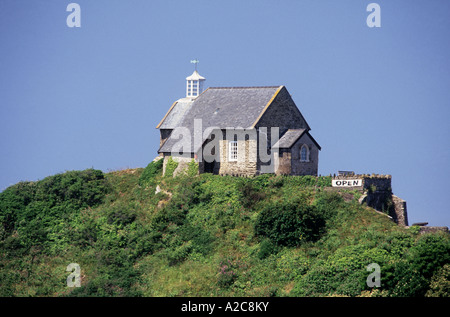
[(175, 114), (221, 107), (290, 137), (230, 106)]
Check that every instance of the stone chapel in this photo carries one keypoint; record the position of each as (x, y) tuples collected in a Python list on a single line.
[(240, 131)]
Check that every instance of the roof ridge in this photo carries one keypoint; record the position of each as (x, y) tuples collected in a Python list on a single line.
[(241, 87)]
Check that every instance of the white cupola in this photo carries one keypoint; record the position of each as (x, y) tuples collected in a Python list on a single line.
[(194, 83)]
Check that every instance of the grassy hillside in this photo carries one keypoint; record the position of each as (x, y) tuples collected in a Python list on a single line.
[(207, 235)]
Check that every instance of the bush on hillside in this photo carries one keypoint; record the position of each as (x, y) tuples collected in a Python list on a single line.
[(152, 170), (206, 236), (192, 169), (251, 194), (171, 166), (34, 209), (440, 283), (430, 253), (290, 223)]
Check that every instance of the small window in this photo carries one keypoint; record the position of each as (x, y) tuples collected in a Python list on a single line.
[(233, 151), (304, 153)]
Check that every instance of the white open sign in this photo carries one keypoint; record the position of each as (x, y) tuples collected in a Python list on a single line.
[(346, 182)]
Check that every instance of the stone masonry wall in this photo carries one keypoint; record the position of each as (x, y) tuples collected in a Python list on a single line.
[(424, 229), (400, 210), (284, 114), (246, 164), (377, 193), (283, 162), (304, 168)]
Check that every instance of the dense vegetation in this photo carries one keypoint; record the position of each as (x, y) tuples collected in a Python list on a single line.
[(207, 235)]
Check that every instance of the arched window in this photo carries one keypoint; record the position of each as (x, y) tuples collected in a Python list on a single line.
[(304, 153)]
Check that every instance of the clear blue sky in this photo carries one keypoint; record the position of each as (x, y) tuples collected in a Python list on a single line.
[(377, 99)]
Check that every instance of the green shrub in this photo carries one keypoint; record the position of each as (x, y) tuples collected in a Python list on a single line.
[(84, 233), (290, 223), (177, 233), (192, 169), (317, 282), (153, 169), (251, 192), (229, 269), (267, 248), (179, 253), (431, 252), (406, 267), (291, 265), (202, 240), (111, 281), (328, 203), (276, 181), (324, 181), (13, 201), (342, 273), (401, 279), (440, 283), (170, 167), (35, 209), (120, 215), (397, 243)]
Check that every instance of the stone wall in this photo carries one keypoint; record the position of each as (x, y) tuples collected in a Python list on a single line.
[(283, 113), (400, 211), (283, 162), (425, 229), (377, 183), (246, 164), (377, 193), (304, 168), (287, 162)]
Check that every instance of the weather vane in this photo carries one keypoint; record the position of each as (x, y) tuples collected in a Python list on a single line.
[(195, 62)]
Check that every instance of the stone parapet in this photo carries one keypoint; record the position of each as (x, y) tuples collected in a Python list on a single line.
[(377, 193)]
